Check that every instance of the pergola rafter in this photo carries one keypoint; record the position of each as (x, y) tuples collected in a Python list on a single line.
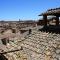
[(52, 12)]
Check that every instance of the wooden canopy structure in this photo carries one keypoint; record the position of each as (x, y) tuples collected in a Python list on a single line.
[(51, 12)]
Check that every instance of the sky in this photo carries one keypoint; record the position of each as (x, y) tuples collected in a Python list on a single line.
[(25, 9)]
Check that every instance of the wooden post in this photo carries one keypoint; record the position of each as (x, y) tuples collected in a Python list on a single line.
[(29, 31), (57, 20), (45, 20)]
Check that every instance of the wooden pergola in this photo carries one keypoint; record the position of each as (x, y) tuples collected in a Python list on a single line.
[(51, 12)]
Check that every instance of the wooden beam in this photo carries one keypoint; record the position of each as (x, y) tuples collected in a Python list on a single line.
[(57, 20), (12, 51), (45, 20)]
